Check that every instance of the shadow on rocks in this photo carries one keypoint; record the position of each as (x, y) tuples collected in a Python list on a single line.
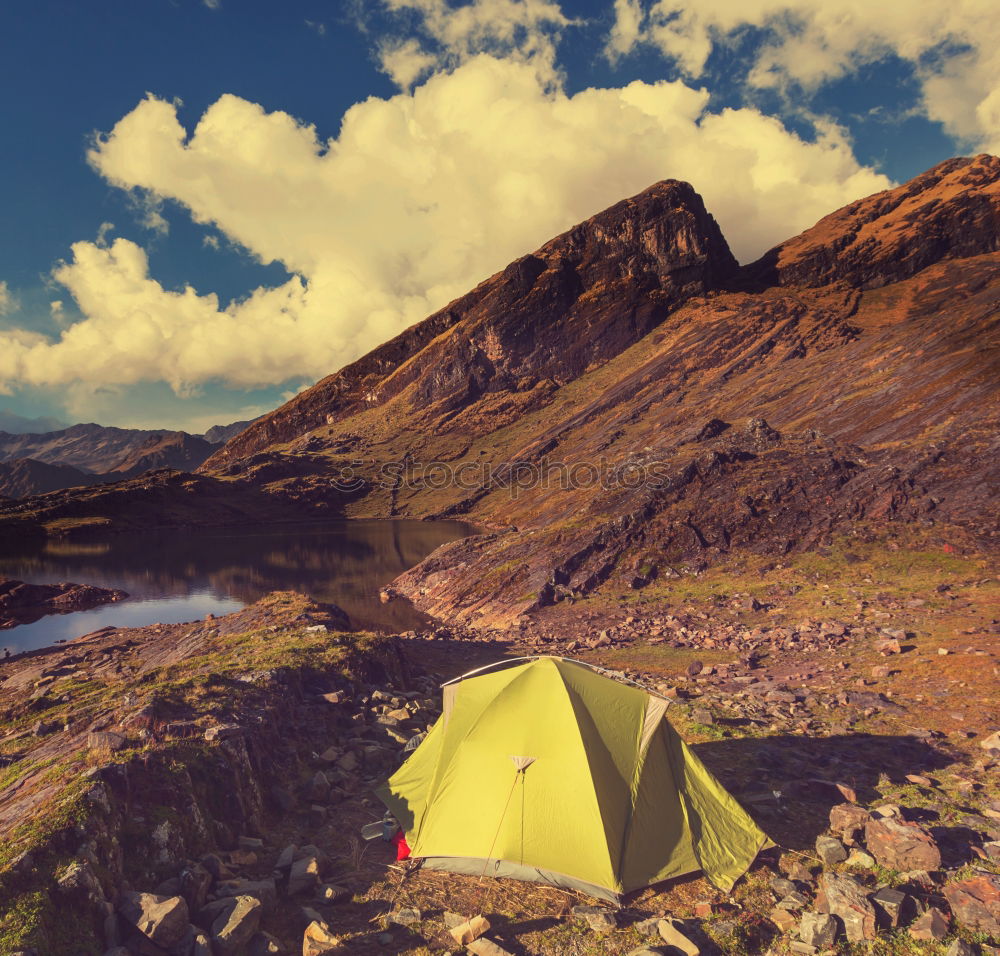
[(789, 783)]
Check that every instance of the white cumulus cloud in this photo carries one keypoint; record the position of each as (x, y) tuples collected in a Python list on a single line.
[(523, 30), (954, 47), (420, 197)]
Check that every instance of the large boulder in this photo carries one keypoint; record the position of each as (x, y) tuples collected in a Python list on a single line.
[(901, 846), (163, 920), (975, 903)]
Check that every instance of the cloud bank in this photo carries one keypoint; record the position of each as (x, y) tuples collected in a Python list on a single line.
[(420, 197), (954, 48)]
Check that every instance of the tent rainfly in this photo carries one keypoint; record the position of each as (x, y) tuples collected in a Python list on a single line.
[(548, 770)]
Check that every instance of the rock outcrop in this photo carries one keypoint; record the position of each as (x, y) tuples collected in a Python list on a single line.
[(22, 603)]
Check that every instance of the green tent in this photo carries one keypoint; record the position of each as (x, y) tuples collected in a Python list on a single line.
[(546, 769)]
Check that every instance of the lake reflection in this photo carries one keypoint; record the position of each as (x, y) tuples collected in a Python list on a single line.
[(174, 576)]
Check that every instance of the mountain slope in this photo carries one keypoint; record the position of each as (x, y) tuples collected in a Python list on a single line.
[(846, 381), (547, 317), (177, 450)]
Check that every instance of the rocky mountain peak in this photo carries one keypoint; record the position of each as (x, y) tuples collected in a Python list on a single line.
[(577, 301), (951, 211)]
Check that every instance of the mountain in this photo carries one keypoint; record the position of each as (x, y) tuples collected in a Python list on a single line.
[(177, 450), (18, 425), (92, 448), (844, 383), (36, 463), (25, 476), (219, 434), (544, 320), (628, 402)]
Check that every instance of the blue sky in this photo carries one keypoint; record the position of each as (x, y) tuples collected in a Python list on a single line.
[(476, 131)]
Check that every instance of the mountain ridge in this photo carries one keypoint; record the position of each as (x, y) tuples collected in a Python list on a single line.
[(670, 212)]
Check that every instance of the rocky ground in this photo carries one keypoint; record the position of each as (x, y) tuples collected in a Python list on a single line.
[(201, 788), (22, 603)]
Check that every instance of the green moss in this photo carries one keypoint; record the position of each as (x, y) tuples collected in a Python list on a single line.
[(32, 919)]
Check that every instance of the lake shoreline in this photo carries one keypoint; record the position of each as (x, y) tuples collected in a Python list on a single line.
[(175, 576)]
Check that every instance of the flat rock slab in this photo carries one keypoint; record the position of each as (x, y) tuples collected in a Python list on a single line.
[(975, 903), (901, 846), (486, 947), (931, 926)]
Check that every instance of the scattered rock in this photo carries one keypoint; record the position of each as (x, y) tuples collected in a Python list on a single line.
[(264, 944), (959, 947), (223, 732), (470, 930), (106, 740), (647, 927), (334, 893), (860, 859), (670, 932), (830, 850), (304, 876), (486, 947), (318, 788), (891, 906), (163, 920), (233, 928), (405, 916), (818, 929), (846, 898), (932, 925), (317, 940), (848, 820), (782, 918), (598, 918), (264, 891)]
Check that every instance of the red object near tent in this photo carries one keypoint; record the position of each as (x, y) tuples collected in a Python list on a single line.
[(402, 847)]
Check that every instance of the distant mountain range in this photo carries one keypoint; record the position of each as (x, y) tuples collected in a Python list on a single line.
[(37, 463), (14, 424)]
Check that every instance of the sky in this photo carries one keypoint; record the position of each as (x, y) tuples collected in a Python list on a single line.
[(211, 204)]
